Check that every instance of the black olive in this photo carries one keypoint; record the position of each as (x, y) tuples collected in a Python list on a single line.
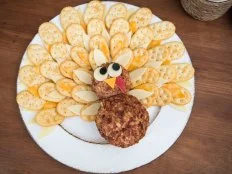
[(103, 70), (116, 66)]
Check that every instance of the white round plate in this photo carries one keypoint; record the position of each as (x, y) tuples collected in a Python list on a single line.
[(77, 143)]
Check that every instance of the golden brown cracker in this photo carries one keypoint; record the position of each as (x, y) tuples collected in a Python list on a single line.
[(48, 117)]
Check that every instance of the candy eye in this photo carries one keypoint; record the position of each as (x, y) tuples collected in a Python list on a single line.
[(100, 73), (114, 70)]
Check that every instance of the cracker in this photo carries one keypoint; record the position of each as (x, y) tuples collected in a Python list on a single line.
[(65, 86), (50, 70), (95, 9), (124, 57), (143, 75), (83, 76), (30, 75), (37, 54), (159, 53), (180, 95), (167, 73), (164, 97), (118, 42), (50, 34), (84, 94), (118, 10), (48, 117), (80, 56), (95, 26), (184, 72), (74, 33), (89, 112), (140, 58), (48, 92), (28, 101), (163, 30), (60, 52), (176, 50), (99, 42), (67, 67), (119, 25), (141, 38), (140, 18), (66, 107), (69, 15)]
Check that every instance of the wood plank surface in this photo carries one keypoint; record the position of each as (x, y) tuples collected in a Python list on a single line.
[(205, 146)]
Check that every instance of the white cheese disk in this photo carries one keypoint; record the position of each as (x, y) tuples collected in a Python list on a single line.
[(99, 57), (86, 41), (76, 108), (160, 82), (153, 64), (55, 95), (137, 74), (83, 76), (124, 59), (88, 96), (140, 93), (91, 109)]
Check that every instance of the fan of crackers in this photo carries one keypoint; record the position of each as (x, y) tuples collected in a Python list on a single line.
[(60, 75)]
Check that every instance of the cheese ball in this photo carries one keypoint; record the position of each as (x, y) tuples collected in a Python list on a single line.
[(122, 120)]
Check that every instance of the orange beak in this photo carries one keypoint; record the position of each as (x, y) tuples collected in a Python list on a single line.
[(111, 82)]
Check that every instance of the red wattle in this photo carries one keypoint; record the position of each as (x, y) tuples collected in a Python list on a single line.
[(120, 82)]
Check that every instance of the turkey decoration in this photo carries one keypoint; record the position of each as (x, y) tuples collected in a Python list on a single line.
[(104, 68)]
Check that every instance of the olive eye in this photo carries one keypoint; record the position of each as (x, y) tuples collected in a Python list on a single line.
[(100, 73), (114, 70)]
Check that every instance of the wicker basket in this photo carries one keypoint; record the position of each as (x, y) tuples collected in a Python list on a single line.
[(206, 10)]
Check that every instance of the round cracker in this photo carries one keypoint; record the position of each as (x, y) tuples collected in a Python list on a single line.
[(48, 117), (163, 30), (74, 33), (158, 54), (99, 42), (50, 33), (167, 72), (119, 25), (37, 54), (60, 52), (50, 70), (140, 58), (87, 94), (65, 86), (184, 71), (118, 42), (176, 50), (28, 101), (95, 9), (69, 15), (63, 107), (141, 18), (80, 56), (141, 38), (31, 76), (95, 26), (48, 92), (118, 10), (181, 96), (67, 67)]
